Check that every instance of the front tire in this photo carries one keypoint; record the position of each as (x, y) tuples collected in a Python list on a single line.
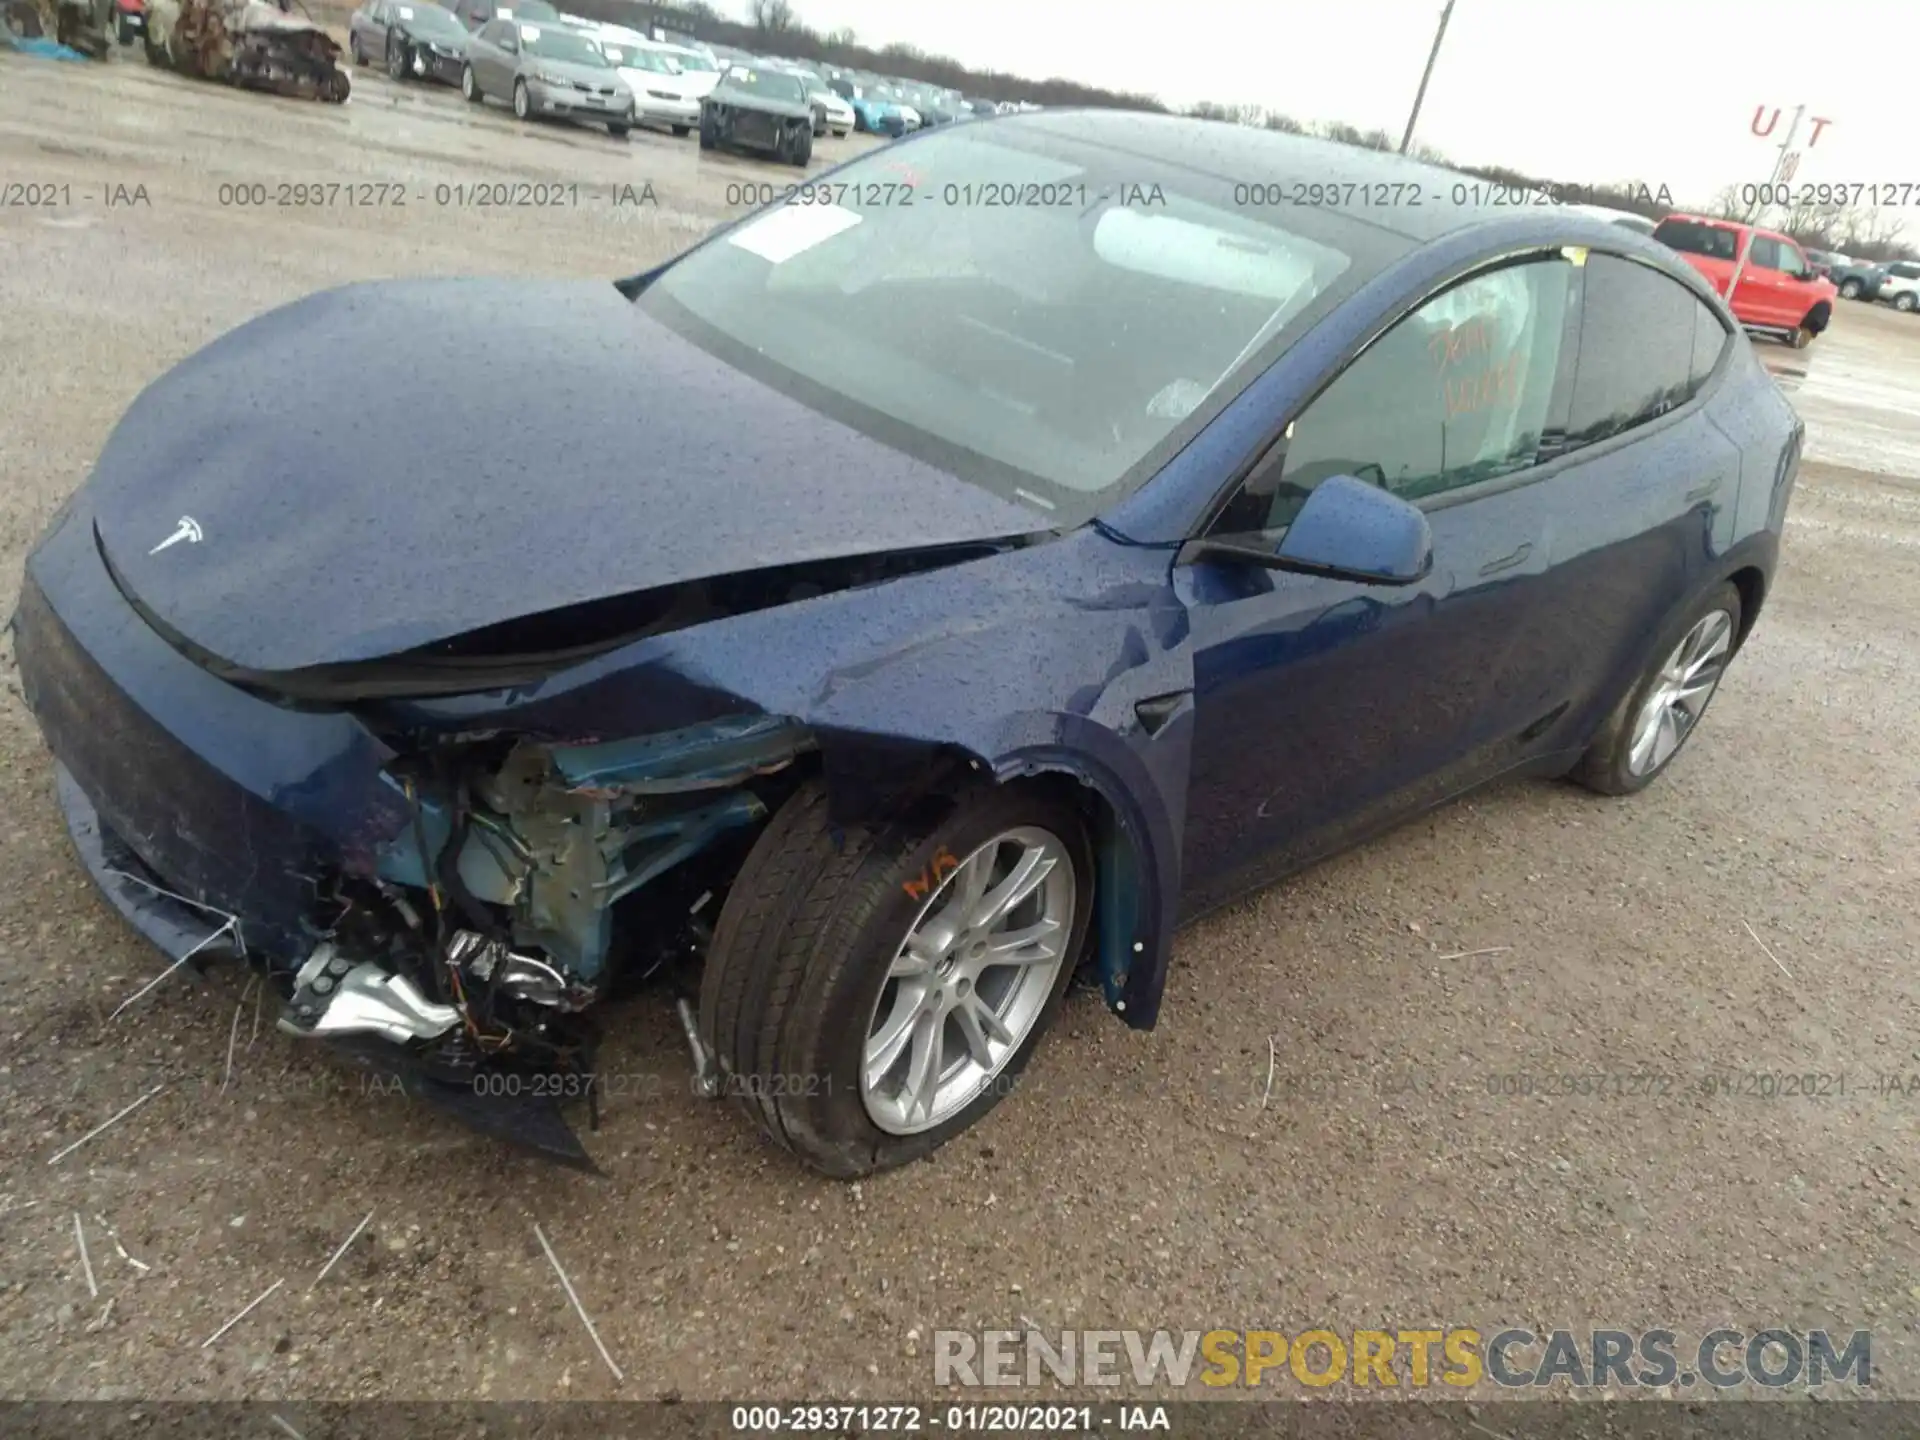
[(470, 87), (709, 139), (396, 61), (871, 992), (617, 130), (1664, 707), (680, 132), (522, 102)]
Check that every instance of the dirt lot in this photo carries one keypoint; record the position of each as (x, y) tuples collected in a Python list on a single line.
[(1138, 1180)]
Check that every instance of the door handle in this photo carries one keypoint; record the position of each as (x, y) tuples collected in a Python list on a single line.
[(1507, 562), (1703, 489)]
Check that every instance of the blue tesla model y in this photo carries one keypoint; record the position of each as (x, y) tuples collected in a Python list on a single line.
[(912, 597)]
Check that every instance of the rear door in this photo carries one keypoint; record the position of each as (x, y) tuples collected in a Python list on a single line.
[(1644, 496)]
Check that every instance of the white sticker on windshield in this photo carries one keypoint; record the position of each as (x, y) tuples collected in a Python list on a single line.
[(786, 232)]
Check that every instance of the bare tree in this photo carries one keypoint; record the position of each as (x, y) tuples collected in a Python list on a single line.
[(844, 37), (773, 17)]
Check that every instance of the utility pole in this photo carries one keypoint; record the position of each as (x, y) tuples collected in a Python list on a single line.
[(1779, 160), (1425, 76)]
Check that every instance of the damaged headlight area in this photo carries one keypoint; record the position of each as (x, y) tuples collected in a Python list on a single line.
[(530, 880)]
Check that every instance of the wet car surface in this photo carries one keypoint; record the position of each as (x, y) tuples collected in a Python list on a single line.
[(1358, 970)]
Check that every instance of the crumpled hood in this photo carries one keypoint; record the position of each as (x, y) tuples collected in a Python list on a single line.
[(385, 465)]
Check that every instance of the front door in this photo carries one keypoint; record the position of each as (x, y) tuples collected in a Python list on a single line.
[(1325, 710)]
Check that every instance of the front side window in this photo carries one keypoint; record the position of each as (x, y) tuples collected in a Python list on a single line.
[(1043, 316), (1458, 392), (1766, 253), (1792, 262), (1635, 361)]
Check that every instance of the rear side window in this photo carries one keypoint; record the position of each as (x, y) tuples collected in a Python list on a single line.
[(1697, 237), (1638, 336), (1709, 344)]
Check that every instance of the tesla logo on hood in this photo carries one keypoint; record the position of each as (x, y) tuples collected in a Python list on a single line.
[(188, 530)]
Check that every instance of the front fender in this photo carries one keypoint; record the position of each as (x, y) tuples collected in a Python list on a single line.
[(1037, 660)]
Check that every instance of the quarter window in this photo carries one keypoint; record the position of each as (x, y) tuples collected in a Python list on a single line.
[(1636, 358), (1458, 392), (1709, 344)]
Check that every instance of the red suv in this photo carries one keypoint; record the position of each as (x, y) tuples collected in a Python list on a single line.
[(1779, 291)]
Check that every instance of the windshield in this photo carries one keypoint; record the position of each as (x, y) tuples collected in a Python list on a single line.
[(693, 60), (567, 46), (1048, 318), (638, 57), (431, 20), (771, 83)]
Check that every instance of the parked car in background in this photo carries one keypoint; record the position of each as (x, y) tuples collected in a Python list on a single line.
[(1763, 275), (893, 92), (411, 40), (872, 113), (128, 20), (700, 68), (1901, 286), (759, 108), (1858, 280), (978, 653), (1821, 261), (663, 93), (983, 107), (475, 13), (831, 114), (546, 70)]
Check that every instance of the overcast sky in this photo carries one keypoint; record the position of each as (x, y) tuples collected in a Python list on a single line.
[(1661, 91)]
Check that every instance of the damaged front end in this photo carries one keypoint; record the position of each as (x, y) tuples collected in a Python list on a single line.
[(530, 880)]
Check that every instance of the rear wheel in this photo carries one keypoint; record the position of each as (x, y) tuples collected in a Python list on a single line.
[(871, 992), (1648, 727), (680, 132), (708, 138), (1850, 289), (1905, 300), (617, 130)]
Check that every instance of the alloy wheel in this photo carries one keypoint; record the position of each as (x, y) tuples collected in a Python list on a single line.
[(1680, 692), (970, 981)]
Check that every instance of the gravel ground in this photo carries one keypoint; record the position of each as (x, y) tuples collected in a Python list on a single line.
[(1314, 1135)]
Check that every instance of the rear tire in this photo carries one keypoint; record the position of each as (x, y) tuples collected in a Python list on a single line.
[(1906, 300), (680, 131), (618, 131), (1850, 289), (708, 139), (808, 945), (1627, 755)]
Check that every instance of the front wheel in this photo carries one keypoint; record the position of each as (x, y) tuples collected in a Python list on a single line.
[(871, 992), (708, 136), (1648, 727), (617, 130), (1801, 338), (522, 103), (396, 60), (469, 86), (680, 132)]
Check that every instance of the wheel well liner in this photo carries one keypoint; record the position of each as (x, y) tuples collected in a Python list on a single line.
[(1752, 586)]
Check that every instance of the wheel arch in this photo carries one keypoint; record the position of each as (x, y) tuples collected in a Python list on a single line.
[(1818, 318), (1136, 858), (1751, 582)]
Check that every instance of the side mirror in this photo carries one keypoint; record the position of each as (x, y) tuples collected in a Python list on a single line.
[(1346, 530)]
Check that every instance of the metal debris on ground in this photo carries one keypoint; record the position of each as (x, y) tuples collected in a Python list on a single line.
[(578, 1308), (114, 1120), (86, 1262), (230, 925), (114, 1236), (242, 1315), (341, 1251)]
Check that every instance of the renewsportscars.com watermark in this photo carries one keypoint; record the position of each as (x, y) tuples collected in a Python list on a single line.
[(1454, 1357)]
